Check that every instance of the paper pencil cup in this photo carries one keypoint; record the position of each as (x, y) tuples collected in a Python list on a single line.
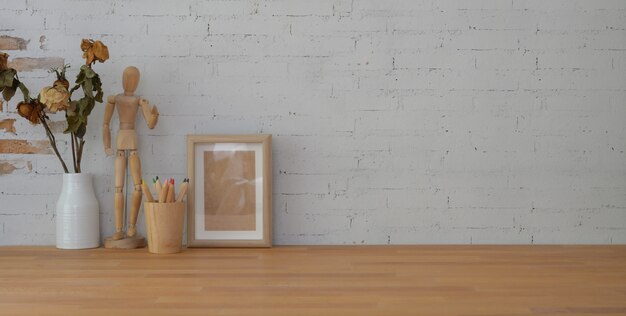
[(164, 226)]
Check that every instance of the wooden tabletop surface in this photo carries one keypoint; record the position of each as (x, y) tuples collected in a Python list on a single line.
[(320, 280)]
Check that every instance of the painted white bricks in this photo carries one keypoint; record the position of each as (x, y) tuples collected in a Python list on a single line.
[(402, 121)]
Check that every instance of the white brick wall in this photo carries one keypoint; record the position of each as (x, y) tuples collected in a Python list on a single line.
[(401, 121)]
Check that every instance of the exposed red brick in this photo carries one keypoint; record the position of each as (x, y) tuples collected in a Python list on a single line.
[(30, 64), (8, 166), (12, 43), (7, 125), (21, 146)]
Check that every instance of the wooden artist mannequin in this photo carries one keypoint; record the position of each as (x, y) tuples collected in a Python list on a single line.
[(127, 105)]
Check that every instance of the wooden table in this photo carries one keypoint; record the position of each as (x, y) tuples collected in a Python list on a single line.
[(338, 280)]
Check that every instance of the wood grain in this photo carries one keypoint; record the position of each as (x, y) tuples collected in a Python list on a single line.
[(349, 280), (164, 226)]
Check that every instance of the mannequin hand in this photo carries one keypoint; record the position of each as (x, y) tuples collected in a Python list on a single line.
[(143, 102), (108, 151)]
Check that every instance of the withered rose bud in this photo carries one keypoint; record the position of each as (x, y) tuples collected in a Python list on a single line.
[(62, 82), (30, 111), (4, 61), (85, 44), (24, 109)]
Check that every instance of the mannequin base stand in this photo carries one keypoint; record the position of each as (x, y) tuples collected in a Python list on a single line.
[(125, 243)]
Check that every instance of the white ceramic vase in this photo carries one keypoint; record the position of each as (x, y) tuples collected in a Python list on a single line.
[(77, 213)]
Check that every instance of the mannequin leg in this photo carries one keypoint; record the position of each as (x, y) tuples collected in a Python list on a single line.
[(120, 174), (135, 171)]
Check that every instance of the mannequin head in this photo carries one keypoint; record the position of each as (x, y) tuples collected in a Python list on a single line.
[(130, 80)]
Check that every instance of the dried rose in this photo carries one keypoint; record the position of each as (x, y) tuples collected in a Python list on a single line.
[(60, 73), (100, 51), (24, 109), (55, 98), (4, 61), (86, 44), (30, 111), (94, 51), (62, 82)]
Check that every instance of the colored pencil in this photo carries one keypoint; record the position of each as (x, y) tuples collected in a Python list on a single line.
[(163, 195), (170, 192), (146, 191), (173, 195), (183, 191), (158, 188)]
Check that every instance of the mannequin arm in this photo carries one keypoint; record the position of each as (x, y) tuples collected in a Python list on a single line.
[(106, 131), (150, 115)]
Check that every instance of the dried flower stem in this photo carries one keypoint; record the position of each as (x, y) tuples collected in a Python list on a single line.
[(81, 145), (77, 151), (73, 141), (53, 142)]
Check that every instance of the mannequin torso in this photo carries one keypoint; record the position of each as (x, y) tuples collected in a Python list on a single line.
[(126, 106)]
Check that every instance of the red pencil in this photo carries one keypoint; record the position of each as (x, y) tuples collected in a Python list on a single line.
[(171, 200)]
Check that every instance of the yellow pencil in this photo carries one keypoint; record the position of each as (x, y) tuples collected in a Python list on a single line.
[(183, 191), (170, 192), (146, 191), (163, 195), (157, 188)]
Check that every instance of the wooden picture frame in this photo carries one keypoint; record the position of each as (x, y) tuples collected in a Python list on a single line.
[(230, 190)]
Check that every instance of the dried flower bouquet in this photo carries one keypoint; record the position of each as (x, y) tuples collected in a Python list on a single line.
[(58, 97)]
